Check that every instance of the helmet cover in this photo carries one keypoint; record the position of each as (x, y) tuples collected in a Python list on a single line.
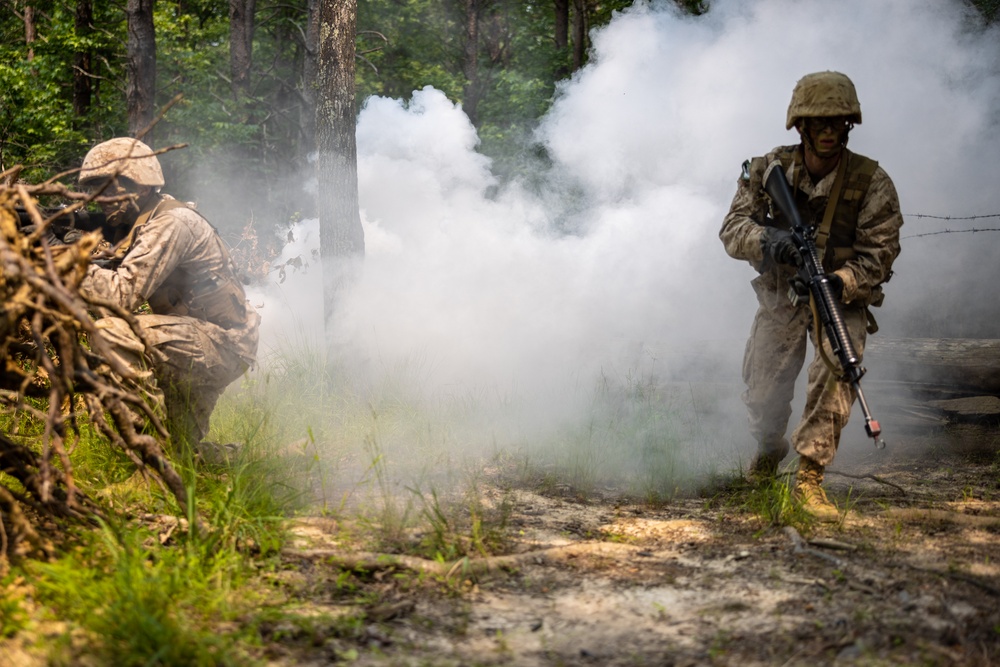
[(824, 94), (122, 156)]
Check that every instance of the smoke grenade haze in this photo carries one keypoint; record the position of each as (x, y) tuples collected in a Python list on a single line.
[(613, 269)]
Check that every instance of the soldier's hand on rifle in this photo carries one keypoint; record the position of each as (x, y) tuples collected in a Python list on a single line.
[(799, 292), (779, 246)]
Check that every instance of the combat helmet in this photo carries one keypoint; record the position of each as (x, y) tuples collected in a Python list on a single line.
[(125, 157), (824, 94)]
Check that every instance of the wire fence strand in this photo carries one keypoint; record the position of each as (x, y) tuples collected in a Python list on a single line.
[(953, 218)]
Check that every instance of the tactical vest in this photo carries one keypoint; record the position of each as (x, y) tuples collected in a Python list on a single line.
[(858, 177), (218, 299)]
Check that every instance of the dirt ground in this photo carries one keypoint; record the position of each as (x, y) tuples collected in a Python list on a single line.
[(911, 577)]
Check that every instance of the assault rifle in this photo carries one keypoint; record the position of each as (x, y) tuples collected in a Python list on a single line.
[(827, 306), (80, 219)]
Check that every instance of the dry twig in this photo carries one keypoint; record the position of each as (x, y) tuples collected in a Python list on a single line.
[(53, 354)]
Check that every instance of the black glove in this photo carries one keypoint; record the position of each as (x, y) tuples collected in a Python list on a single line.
[(779, 246), (799, 290)]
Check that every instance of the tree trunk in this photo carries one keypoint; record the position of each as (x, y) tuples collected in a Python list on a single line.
[(140, 87), (470, 96), (562, 24), (579, 32), (342, 242), (241, 27), (82, 60), (309, 79), (29, 30)]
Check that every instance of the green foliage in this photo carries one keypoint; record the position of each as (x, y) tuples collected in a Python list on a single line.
[(990, 9), (38, 126), (413, 54), (261, 141)]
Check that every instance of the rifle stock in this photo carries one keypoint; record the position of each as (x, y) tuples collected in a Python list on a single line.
[(827, 305)]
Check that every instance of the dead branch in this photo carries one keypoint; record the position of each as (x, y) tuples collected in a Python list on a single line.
[(54, 354), (916, 515), (874, 478), (466, 567), (800, 548)]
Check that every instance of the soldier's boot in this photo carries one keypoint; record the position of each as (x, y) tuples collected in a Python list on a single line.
[(764, 465), (217, 453), (809, 492)]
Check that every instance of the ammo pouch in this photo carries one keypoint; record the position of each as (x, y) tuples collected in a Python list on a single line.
[(219, 301)]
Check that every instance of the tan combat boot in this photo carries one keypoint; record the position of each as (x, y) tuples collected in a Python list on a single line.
[(809, 491)]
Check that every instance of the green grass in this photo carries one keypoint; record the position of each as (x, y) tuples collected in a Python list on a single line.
[(14, 615), (401, 468), (140, 604), (124, 597)]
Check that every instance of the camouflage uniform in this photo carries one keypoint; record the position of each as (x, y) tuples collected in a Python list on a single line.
[(860, 251), (204, 331)]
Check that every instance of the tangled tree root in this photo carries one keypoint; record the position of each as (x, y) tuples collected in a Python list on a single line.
[(55, 359)]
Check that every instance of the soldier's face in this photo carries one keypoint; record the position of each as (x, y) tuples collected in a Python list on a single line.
[(827, 135), (116, 201)]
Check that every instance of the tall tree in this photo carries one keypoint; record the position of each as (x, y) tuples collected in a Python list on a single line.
[(470, 96), (29, 30), (342, 240), (241, 27), (562, 24), (310, 63), (82, 58), (579, 33), (140, 87)]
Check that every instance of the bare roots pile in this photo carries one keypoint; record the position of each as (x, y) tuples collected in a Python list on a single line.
[(59, 373)]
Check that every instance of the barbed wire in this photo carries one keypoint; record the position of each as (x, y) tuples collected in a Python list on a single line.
[(951, 231), (951, 217)]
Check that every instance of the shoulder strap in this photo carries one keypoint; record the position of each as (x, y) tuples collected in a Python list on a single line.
[(823, 233), (123, 246)]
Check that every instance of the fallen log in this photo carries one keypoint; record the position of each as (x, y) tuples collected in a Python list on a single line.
[(969, 366)]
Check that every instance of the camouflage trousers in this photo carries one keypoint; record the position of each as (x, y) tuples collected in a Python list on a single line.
[(191, 368), (774, 356)]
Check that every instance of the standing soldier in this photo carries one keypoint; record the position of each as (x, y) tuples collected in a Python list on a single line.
[(203, 330), (852, 206)]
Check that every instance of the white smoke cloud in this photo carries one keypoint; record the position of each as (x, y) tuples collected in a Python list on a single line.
[(651, 135)]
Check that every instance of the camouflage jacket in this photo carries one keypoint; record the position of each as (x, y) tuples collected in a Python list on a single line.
[(874, 243), (179, 264)]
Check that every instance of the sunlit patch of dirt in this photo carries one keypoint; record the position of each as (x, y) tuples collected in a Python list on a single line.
[(904, 580)]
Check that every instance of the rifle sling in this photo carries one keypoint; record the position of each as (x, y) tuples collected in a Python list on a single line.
[(823, 233)]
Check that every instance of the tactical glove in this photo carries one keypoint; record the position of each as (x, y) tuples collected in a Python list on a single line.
[(799, 290), (779, 246)]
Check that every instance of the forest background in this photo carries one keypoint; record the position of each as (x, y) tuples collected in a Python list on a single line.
[(71, 73)]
